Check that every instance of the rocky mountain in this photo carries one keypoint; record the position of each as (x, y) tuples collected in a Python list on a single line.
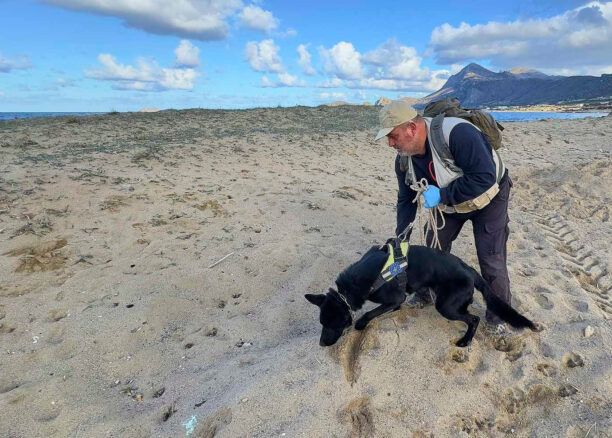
[(475, 87)]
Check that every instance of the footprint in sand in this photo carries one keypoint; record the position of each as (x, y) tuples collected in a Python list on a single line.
[(6, 328), (8, 385), (573, 360), (57, 314), (357, 413), (547, 369), (513, 346), (580, 306), (515, 403), (214, 423), (459, 355), (56, 335), (544, 302)]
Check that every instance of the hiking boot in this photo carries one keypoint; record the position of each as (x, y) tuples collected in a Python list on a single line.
[(419, 299)]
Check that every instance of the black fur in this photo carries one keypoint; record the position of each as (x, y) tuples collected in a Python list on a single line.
[(451, 280)]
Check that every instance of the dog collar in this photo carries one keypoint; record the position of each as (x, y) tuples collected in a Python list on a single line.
[(344, 300)]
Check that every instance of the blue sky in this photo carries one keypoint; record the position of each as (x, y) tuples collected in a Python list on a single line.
[(101, 55)]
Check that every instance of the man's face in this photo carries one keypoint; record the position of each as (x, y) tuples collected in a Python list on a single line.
[(404, 139)]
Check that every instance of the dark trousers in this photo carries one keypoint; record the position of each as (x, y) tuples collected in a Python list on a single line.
[(491, 232)]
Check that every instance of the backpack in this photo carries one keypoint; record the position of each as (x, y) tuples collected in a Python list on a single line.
[(451, 107)]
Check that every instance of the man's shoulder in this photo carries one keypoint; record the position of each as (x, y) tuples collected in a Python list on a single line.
[(451, 123), (459, 130)]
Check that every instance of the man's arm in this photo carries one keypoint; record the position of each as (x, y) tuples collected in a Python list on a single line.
[(473, 155), (406, 209)]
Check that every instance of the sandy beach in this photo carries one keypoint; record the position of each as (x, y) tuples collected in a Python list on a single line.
[(153, 267)]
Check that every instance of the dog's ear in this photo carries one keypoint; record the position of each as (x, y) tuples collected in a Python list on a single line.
[(317, 300)]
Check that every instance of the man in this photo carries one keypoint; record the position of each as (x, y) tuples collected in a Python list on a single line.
[(472, 184)]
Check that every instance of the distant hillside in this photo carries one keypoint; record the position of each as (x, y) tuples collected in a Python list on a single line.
[(475, 86)]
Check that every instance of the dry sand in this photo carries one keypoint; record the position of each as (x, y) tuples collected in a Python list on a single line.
[(113, 321)]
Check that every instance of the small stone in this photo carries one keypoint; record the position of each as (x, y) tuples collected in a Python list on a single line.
[(588, 331)]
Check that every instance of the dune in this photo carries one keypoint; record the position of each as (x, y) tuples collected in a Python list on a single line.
[(153, 267)]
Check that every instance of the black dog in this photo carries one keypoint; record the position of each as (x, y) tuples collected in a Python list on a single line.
[(450, 278)]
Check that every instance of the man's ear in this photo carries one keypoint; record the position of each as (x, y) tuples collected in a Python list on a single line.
[(317, 300)]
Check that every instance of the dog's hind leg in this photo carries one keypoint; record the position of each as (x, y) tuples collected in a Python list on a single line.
[(450, 310)]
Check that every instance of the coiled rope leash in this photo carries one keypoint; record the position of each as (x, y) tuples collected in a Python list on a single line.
[(431, 220)]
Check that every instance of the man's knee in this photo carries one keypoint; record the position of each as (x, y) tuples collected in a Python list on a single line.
[(492, 265)]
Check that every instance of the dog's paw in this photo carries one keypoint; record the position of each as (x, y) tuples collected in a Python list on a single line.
[(361, 324), (462, 343)]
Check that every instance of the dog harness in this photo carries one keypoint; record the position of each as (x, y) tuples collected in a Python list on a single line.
[(395, 266)]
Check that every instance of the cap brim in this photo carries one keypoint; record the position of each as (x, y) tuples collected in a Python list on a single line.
[(382, 133)]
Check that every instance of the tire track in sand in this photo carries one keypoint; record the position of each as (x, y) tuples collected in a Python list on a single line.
[(586, 268)]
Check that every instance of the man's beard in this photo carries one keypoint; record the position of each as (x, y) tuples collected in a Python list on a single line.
[(403, 154)]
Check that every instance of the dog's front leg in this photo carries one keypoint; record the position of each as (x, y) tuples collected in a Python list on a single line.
[(369, 316)]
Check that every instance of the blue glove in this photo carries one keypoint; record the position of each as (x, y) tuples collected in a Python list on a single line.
[(431, 196)]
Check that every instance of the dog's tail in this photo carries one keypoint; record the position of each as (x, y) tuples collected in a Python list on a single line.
[(497, 306)]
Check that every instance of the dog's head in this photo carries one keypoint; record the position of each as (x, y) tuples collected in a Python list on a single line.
[(334, 316)]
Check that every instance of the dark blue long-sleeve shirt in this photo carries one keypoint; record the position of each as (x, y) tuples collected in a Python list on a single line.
[(472, 154)]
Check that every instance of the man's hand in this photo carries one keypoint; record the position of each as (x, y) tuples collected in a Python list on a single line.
[(431, 197)]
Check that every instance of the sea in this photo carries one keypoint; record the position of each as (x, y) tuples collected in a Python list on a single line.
[(524, 116), (502, 116), (13, 116)]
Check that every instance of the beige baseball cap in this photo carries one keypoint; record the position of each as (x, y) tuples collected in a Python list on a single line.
[(392, 115)]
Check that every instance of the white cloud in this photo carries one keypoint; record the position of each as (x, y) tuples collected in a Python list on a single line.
[(187, 55), (305, 60), (395, 61), (334, 96), (289, 80), (177, 78), (390, 66), (263, 56), (146, 75), (266, 82), (7, 65), (289, 33), (342, 61), (197, 19), (284, 79), (332, 83), (578, 40), (256, 18)]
